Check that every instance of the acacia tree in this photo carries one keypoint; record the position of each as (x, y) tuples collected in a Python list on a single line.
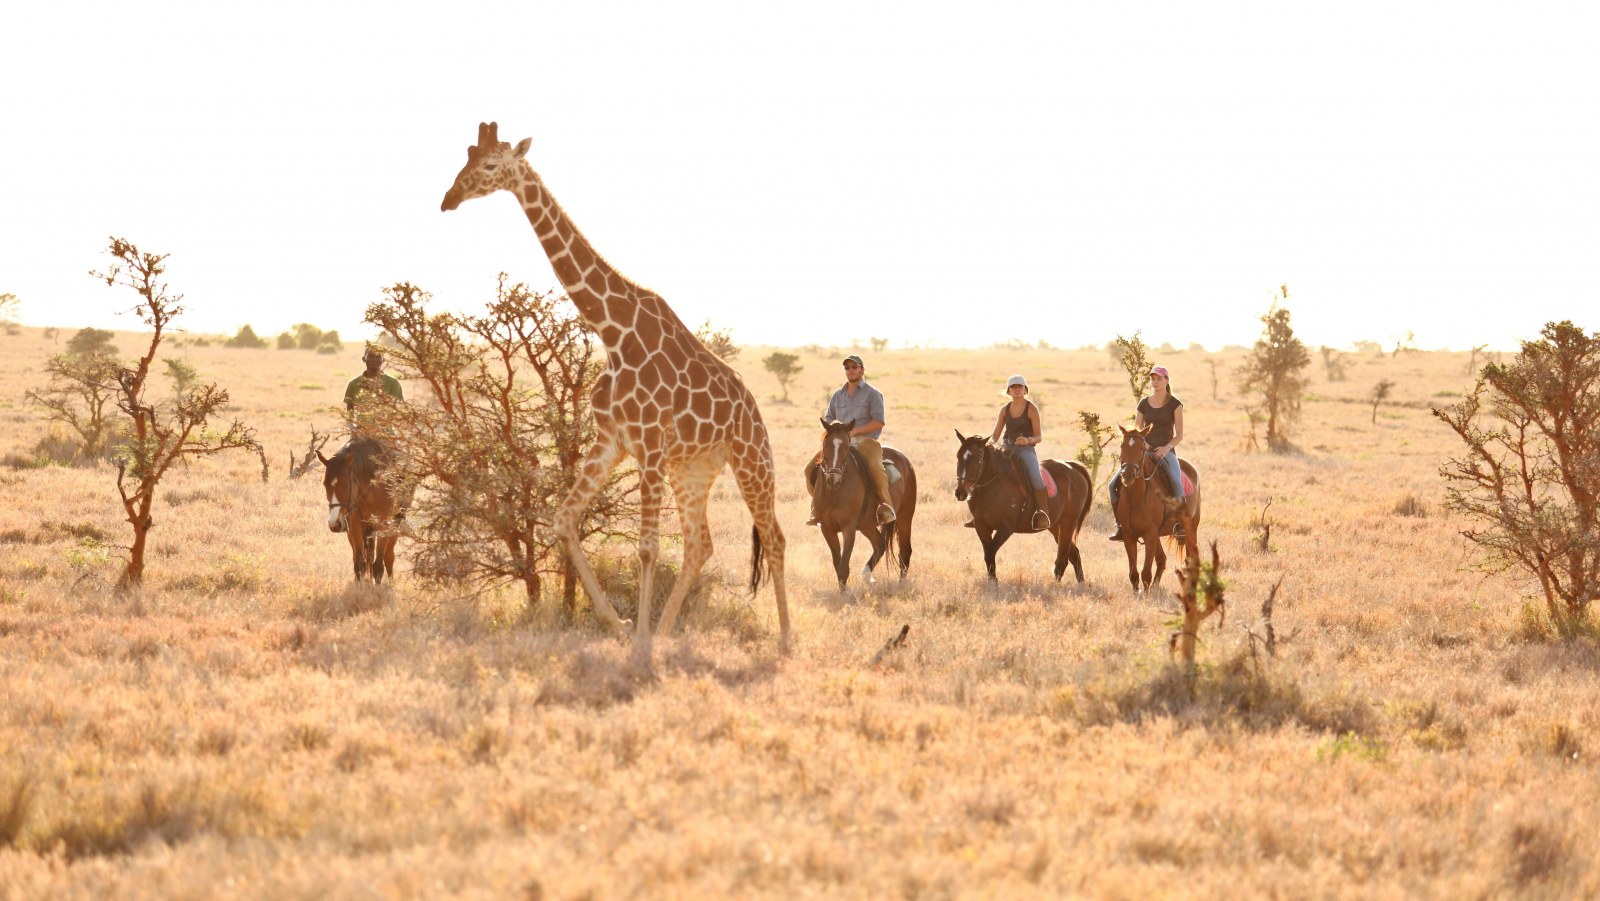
[(1275, 373), (784, 367), (154, 439), (1530, 477), (80, 395), (719, 341), (500, 441)]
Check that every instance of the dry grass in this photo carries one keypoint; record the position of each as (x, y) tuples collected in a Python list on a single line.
[(253, 725)]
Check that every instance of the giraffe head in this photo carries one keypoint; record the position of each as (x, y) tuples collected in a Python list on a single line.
[(491, 165)]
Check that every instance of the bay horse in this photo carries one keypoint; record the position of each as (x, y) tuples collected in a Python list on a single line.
[(846, 502), (1142, 504), (362, 505), (1001, 500)]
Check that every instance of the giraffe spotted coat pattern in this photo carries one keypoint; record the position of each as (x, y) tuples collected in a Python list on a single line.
[(664, 399)]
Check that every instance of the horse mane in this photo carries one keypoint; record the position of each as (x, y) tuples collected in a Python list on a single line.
[(362, 455)]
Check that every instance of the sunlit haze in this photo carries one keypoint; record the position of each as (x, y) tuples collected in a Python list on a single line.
[(932, 173)]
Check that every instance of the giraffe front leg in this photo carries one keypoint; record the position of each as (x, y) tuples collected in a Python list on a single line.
[(651, 490), (691, 485), (597, 464)]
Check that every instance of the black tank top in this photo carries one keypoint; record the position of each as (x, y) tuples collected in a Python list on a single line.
[(1160, 419), (1019, 427)]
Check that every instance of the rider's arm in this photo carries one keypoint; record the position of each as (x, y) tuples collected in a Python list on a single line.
[(1033, 417), (1177, 429)]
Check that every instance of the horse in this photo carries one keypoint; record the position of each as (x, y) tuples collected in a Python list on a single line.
[(1142, 506), (362, 504), (1000, 500), (846, 502)]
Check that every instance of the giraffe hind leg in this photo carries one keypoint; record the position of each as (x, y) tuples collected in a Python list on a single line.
[(691, 485), (757, 482)]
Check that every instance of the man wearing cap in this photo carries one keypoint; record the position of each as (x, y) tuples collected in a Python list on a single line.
[(374, 380), (861, 405)]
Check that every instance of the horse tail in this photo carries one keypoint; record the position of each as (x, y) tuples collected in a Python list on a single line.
[(758, 565)]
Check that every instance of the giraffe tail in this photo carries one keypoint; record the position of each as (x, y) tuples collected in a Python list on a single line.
[(758, 567)]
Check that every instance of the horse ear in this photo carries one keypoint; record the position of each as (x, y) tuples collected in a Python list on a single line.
[(322, 458), (1147, 427), (960, 437), (1123, 430), (823, 421)]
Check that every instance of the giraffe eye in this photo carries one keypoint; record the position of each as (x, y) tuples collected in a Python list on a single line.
[(490, 167)]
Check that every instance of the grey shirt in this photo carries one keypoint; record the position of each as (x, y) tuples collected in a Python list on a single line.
[(866, 406)]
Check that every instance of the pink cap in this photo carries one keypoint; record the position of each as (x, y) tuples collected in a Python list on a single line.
[(1161, 371)]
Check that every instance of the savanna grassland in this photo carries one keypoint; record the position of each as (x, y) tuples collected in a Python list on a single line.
[(251, 724)]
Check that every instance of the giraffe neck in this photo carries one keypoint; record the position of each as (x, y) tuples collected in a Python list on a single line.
[(603, 297)]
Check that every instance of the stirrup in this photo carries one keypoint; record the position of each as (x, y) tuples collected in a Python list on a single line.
[(885, 514), (1037, 516)]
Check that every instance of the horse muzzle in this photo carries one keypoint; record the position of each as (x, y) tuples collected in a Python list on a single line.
[(962, 491), (337, 522)]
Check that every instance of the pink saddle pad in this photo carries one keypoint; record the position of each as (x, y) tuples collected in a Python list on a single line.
[(1188, 486), (1049, 483)]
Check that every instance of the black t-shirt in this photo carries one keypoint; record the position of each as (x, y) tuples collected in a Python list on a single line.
[(1160, 419)]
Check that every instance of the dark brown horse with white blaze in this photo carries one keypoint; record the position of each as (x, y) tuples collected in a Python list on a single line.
[(846, 503), (1001, 501), (362, 505), (1144, 504)]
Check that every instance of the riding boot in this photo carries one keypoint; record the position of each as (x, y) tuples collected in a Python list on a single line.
[(813, 521), (970, 523), (1116, 535), (1041, 508)]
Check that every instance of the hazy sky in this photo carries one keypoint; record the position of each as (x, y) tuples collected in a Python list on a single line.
[(817, 172)]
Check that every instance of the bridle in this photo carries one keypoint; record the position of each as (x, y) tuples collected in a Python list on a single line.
[(841, 455), (346, 509), (981, 452), (1123, 475)]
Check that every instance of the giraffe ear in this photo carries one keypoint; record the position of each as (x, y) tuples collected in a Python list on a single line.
[(522, 148)]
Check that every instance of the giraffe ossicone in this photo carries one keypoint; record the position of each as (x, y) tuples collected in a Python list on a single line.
[(664, 399)]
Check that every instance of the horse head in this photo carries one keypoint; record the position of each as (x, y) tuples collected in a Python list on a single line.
[(970, 460), (835, 451), (336, 483), (1134, 452)]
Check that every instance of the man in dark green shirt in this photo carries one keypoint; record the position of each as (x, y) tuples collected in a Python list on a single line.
[(374, 379)]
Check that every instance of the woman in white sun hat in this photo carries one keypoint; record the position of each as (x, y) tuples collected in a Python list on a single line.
[(1019, 423)]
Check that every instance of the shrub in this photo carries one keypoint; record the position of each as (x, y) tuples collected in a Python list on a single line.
[(1529, 480), (246, 337), (91, 342), (1275, 372)]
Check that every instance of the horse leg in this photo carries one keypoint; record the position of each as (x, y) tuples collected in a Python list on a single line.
[(1064, 548), (597, 464), (356, 535), (832, 537), (847, 542), (1160, 553), (691, 485), (374, 557), (878, 536), (1001, 536), (388, 555), (1130, 543)]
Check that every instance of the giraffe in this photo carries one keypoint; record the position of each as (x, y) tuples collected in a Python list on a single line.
[(664, 399)]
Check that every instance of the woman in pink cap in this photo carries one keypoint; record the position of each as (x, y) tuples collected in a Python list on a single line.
[(1164, 414)]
